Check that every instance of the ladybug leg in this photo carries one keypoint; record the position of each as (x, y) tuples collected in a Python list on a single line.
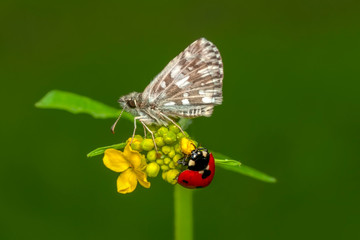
[(183, 162)]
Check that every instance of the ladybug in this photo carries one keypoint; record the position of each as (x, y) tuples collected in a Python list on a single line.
[(201, 169)]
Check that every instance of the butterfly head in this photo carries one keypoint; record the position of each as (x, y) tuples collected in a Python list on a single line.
[(130, 102)]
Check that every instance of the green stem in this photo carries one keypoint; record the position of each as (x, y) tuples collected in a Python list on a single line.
[(183, 213)]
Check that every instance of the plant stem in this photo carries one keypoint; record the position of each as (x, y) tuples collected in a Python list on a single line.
[(183, 213)]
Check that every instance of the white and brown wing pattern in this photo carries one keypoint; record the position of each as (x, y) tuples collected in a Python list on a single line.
[(191, 84)]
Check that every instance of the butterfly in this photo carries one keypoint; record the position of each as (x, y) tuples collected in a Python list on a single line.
[(188, 87)]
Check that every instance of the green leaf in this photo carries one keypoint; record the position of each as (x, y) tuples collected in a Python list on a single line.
[(75, 103), (236, 166), (101, 150), (226, 162)]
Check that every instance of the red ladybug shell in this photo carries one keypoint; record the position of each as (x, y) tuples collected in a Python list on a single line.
[(194, 179)]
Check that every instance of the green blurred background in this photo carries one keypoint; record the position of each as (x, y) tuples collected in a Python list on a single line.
[(291, 109)]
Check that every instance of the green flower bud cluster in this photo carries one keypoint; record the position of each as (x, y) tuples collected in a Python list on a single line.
[(167, 140)]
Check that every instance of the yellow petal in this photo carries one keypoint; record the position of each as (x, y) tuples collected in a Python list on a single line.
[(126, 182), (141, 177), (115, 160), (134, 157)]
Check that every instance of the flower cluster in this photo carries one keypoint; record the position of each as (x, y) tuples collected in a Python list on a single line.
[(140, 159)]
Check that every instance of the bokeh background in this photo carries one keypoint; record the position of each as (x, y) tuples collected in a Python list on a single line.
[(291, 109)]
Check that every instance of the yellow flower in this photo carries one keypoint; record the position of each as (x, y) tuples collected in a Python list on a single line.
[(132, 166), (187, 145)]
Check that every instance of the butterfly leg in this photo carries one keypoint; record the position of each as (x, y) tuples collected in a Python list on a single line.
[(144, 131), (135, 118), (152, 134), (172, 121)]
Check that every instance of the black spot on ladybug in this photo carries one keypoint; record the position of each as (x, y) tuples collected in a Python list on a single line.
[(206, 174), (185, 181), (199, 187)]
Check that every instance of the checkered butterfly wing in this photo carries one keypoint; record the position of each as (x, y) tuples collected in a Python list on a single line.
[(191, 84)]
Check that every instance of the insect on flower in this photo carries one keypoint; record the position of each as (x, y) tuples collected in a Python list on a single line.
[(188, 87), (201, 169)]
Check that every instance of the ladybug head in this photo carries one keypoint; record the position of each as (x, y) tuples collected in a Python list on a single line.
[(198, 159), (195, 154), (199, 153)]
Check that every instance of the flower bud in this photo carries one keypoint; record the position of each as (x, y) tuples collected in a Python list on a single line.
[(171, 176), (159, 141), (177, 157), (167, 160), (139, 138), (160, 161), (166, 149), (164, 168), (180, 135), (136, 145), (187, 145), (163, 175), (163, 130), (172, 153), (152, 169), (171, 165), (174, 129), (169, 138), (151, 155), (147, 144), (177, 148)]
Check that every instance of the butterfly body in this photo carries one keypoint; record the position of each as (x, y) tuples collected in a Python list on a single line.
[(146, 112), (188, 87)]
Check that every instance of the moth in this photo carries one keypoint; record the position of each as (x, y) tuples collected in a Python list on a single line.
[(188, 87)]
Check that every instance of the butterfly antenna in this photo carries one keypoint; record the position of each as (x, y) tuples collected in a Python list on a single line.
[(114, 125)]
